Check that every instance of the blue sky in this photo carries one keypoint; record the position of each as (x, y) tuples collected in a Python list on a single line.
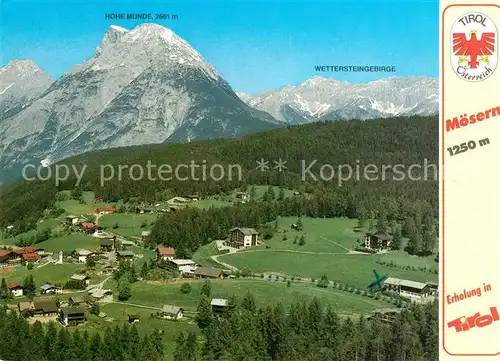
[(255, 45)]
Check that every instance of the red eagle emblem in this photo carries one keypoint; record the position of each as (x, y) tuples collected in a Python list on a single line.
[(473, 47)]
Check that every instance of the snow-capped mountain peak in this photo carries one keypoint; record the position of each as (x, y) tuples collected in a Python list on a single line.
[(144, 45), (142, 86), (21, 81), (320, 98)]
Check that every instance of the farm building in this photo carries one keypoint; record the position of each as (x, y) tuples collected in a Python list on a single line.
[(81, 254), (70, 316), (193, 197), (50, 289), (145, 234), (133, 318), (6, 255), (31, 257), (165, 253), (15, 289), (182, 265), (81, 277), (106, 210), (242, 197), (125, 254), (107, 244), (385, 314), (377, 241), (76, 300), (107, 270), (71, 219), (208, 272), (407, 288), (218, 305), (242, 237), (172, 312), (25, 306), (26, 250), (433, 288), (100, 295), (89, 227), (45, 307)]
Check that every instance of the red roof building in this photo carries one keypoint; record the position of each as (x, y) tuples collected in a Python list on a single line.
[(31, 256), (13, 286), (4, 252), (165, 251), (25, 250), (89, 225)]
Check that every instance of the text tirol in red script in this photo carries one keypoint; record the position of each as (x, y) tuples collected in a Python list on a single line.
[(464, 323)]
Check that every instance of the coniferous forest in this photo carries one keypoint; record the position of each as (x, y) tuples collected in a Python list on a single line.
[(308, 332), (21, 341), (243, 332), (382, 142)]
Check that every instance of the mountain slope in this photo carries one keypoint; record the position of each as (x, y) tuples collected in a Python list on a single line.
[(325, 99), (142, 86), (21, 82)]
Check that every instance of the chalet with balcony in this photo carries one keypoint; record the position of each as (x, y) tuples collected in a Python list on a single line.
[(242, 237), (72, 316), (378, 241)]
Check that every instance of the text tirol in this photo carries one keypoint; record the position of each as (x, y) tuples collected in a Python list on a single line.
[(464, 323)]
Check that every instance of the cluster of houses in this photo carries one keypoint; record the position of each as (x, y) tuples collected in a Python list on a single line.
[(186, 267), (68, 315), (20, 255)]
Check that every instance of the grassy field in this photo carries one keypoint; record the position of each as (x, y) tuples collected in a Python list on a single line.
[(73, 206), (52, 273), (69, 242), (228, 199), (325, 251), (157, 294), (402, 259), (51, 223), (129, 224), (321, 235), (355, 270)]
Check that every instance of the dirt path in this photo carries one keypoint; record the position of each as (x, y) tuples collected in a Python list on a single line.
[(136, 305)]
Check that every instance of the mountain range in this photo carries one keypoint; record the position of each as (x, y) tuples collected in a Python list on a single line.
[(326, 99), (148, 85)]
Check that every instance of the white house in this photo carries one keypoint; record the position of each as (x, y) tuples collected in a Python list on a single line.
[(172, 312), (183, 265), (16, 289), (71, 219), (242, 237), (50, 289), (82, 254), (410, 289)]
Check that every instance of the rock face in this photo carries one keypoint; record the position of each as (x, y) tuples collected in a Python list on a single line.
[(328, 99), (145, 85), (21, 81)]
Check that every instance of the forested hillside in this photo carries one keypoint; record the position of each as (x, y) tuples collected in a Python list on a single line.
[(380, 142), (310, 332)]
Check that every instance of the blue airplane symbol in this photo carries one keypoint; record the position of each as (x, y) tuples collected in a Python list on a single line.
[(378, 280)]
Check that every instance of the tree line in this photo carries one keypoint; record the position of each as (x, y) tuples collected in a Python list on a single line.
[(307, 331)]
